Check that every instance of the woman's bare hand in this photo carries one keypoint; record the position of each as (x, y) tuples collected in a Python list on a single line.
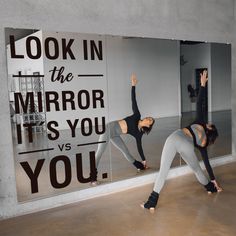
[(134, 80), (145, 165), (219, 189), (204, 78)]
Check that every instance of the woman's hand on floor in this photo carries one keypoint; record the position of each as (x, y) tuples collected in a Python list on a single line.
[(219, 189)]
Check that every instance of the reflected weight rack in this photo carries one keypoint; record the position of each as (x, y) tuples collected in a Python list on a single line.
[(32, 83)]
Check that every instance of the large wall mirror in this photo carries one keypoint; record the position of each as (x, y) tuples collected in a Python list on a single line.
[(69, 94)]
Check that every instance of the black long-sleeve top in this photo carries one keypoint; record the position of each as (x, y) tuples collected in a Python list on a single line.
[(132, 124), (201, 120)]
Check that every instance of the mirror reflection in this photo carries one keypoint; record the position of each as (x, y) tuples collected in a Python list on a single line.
[(90, 109), (216, 58), (155, 63)]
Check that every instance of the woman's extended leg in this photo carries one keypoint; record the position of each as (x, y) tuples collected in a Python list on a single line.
[(189, 156), (167, 156), (119, 143), (104, 139)]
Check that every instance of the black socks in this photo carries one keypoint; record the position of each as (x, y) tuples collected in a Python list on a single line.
[(139, 165), (152, 200), (210, 187)]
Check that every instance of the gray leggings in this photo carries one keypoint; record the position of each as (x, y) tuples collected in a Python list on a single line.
[(178, 142), (113, 132)]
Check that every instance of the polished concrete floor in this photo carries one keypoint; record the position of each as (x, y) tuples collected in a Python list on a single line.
[(112, 162), (184, 209)]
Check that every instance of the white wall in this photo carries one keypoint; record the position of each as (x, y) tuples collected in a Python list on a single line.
[(156, 64), (221, 76)]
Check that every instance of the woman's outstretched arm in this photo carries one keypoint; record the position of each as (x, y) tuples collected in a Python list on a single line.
[(209, 168), (133, 94), (207, 164), (201, 112), (140, 149)]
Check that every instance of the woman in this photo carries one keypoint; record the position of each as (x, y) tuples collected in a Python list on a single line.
[(132, 125), (198, 134)]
